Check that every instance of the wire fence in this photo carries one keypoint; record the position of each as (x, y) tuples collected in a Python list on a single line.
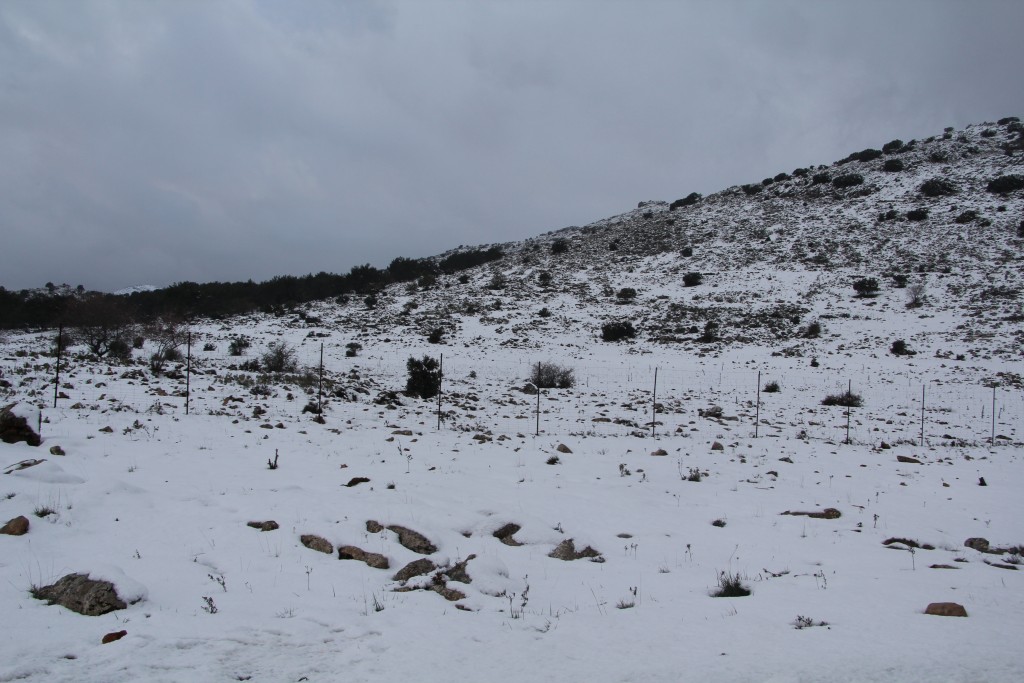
[(637, 395)]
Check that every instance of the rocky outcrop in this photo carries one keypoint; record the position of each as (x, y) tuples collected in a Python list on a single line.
[(83, 595), (375, 560), (314, 542), (566, 550), (15, 428), (16, 527), (413, 540)]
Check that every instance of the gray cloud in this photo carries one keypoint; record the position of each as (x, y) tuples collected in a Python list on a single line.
[(191, 140)]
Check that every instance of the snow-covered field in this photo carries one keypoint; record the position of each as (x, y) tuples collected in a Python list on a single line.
[(160, 502)]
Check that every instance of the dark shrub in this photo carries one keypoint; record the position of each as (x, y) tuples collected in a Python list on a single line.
[(821, 178), (866, 286), (751, 189), (436, 335), (1006, 183), (626, 294), (552, 376), (544, 278), (617, 330), (463, 279), (988, 133), (497, 281), (687, 251), (238, 345), (780, 177), (1007, 119), (848, 180), (892, 146), (424, 377), (813, 330), (917, 214), (893, 165), (370, 301), (119, 349), (560, 246), (469, 259), (899, 280), (967, 216), (730, 586), (867, 154), (352, 349), (544, 313), (847, 399), (899, 348), (613, 245), (1020, 229), (710, 333), (890, 215), (771, 387), (279, 357), (767, 181), (688, 200), (800, 172), (937, 187), (692, 279)]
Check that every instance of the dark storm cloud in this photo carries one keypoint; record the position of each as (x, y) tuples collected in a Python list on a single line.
[(152, 142)]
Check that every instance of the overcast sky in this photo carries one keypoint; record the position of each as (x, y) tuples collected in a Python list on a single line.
[(151, 142)]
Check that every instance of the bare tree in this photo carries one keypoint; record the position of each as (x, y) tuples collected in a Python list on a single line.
[(103, 325), (169, 334), (917, 294)]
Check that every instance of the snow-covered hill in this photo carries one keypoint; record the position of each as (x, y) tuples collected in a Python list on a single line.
[(670, 459)]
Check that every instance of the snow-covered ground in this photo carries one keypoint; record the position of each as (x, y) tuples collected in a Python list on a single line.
[(160, 502)]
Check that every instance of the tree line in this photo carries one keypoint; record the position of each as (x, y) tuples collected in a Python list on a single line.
[(33, 309)]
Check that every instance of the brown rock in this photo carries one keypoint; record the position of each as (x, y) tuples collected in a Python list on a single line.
[(566, 550), (413, 540), (355, 481), (375, 560), (268, 525), (979, 544), (562, 448), (415, 568), (83, 595), (14, 428), (505, 533), (946, 609), (317, 543), (447, 593), (660, 451), (16, 527), (402, 432), (716, 446), (107, 430), (373, 526), (57, 450), (908, 459), (459, 573), (111, 637)]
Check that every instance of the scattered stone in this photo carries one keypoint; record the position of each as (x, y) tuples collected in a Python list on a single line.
[(402, 432), (375, 560), (83, 595), (714, 412), (16, 527), (566, 550), (459, 573), (660, 451), (314, 542), (562, 448), (15, 428), (908, 542), (505, 533), (884, 446), (716, 446), (107, 430), (57, 450), (111, 637), (982, 482), (827, 513), (946, 609), (356, 481), (979, 544), (1001, 565), (907, 459), (269, 525), (415, 568), (942, 566), (374, 527), (413, 540)]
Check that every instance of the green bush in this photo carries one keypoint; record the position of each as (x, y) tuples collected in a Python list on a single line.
[(552, 376), (967, 216), (821, 178), (893, 165), (937, 187), (617, 330), (238, 345), (892, 146), (866, 286), (424, 378), (692, 279), (1006, 183), (688, 200), (917, 215), (848, 180), (560, 246), (279, 357), (847, 399), (626, 294)]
